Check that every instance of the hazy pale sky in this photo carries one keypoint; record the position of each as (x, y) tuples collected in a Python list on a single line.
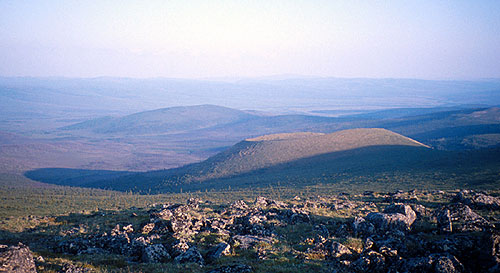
[(196, 39)]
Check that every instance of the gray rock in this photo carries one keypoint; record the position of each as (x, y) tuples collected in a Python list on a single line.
[(467, 219), (16, 259), (155, 254), (396, 216), (370, 261), (222, 249), (417, 265), (478, 200), (361, 226), (239, 205), (179, 248), (192, 255), (69, 268), (247, 241), (443, 219), (338, 250), (447, 264)]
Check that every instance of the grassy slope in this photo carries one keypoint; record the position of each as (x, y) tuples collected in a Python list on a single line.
[(376, 168), (382, 167)]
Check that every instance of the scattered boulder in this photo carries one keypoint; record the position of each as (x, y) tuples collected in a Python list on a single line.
[(222, 249), (69, 268), (363, 227), (180, 247), (192, 255), (446, 263), (478, 200), (16, 259), (147, 228), (338, 250), (418, 264), (247, 241), (467, 219), (155, 254), (370, 261), (239, 205), (396, 216)]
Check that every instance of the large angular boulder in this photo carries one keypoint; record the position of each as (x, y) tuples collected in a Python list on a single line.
[(467, 219), (16, 259)]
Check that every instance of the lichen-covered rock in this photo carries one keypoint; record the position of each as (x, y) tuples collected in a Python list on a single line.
[(192, 255), (222, 249), (147, 228), (69, 268), (467, 219), (16, 259), (180, 247), (338, 250), (363, 227), (370, 261), (396, 216), (478, 200), (239, 205), (247, 241), (155, 254), (447, 264), (438, 263)]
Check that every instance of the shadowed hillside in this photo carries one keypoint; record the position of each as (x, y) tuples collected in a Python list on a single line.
[(250, 155), (265, 151), (166, 120)]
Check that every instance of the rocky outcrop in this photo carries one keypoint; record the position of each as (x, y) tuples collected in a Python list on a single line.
[(16, 259), (478, 200), (348, 233)]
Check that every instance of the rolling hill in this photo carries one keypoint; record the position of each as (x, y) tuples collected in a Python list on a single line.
[(262, 154), (165, 120), (265, 151)]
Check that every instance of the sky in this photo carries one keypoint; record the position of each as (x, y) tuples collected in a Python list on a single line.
[(424, 39)]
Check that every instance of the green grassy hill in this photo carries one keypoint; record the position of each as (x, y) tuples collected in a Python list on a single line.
[(261, 152), (248, 156)]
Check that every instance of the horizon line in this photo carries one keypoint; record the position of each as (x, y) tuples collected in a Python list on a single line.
[(275, 77)]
